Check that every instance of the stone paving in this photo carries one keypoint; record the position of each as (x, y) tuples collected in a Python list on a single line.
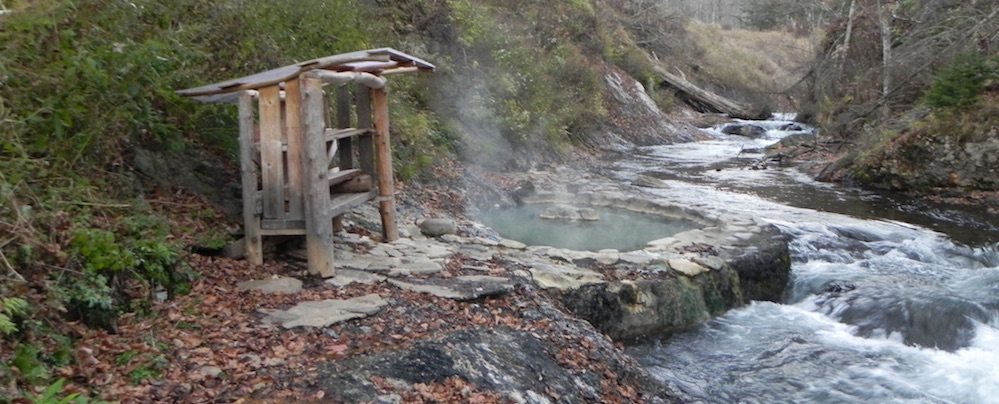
[(407, 263)]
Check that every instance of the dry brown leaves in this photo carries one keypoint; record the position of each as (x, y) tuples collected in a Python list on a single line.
[(210, 345)]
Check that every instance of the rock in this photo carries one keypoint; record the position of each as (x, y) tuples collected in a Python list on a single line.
[(563, 277), (629, 310), (512, 244), (210, 371), (560, 212), (744, 129), (588, 214), (235, 249), (437, 227), (637, 257), (344, 277), (275, 285), (325, 312), (607, 257), (518, 365), (686, 267), (765, 270), (649, 182), (524, 190), (462, 288)]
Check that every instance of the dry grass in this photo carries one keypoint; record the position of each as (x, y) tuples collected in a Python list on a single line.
[(758, 61)]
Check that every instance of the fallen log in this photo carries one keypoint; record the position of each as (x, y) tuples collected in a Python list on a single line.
[(706, 101)]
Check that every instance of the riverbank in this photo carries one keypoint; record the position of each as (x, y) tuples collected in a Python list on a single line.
[(466, 316)]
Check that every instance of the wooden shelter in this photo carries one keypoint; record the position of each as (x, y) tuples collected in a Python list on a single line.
[(312, 136)]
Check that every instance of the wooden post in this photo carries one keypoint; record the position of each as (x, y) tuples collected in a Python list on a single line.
[(386, 186), (315, 163), (365, 147), (345, 145), (293, 129), (271, 156), (343, 121), (251, 221)]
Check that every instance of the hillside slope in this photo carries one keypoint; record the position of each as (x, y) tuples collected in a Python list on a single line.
[(911, 90)]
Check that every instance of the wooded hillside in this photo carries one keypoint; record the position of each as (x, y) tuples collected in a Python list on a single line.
[(108, 178)]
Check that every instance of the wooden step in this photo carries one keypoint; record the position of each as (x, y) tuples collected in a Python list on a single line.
[(337, 176), (329, 135), (339, 204), (337, 134)]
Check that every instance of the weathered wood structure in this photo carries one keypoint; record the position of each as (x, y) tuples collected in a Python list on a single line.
[(312, 138)]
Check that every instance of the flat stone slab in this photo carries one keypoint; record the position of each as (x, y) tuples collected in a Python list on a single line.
[(346, 277), (686, 267), (563, 277), (462, 288), (323, 313), (273, 285)]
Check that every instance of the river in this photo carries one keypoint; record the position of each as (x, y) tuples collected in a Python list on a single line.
[(891, 299)]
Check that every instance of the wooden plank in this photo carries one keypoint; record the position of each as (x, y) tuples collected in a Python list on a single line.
[(365, 145), (337, 134), (386, 186), (275, 76), (338, 176), (285, 232), (343, 203), (271, 157), (248, 171), (273, 225), (293, 130), (343, 121), (358, 183), (318, 217)]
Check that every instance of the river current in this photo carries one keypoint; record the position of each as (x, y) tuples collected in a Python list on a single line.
[(891, 300)]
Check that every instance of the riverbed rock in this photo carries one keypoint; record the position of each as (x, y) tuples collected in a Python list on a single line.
[(744, 129)]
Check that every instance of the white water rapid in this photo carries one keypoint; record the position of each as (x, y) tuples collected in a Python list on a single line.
[(884, 305)]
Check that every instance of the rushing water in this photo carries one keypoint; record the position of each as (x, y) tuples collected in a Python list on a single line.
[(891, 300)]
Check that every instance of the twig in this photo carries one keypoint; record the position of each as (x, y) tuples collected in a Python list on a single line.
[(183, 205), (99, 205), (3, 258)]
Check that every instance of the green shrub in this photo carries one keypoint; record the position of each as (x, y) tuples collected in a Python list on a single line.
[(960, 85)]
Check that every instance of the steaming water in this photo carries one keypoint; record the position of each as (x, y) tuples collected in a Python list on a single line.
[(891, 300), (617, 228)]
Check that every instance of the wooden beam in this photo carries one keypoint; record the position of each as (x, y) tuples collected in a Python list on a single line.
[(340, 78), (251, 221), (318, 218), (271, 156), (383, 150), (293, 131)]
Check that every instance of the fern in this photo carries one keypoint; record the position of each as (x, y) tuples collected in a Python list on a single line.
[(11, 307)]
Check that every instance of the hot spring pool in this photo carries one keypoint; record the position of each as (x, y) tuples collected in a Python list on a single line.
[(619, 229)]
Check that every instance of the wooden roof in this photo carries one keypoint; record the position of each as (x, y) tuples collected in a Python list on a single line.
[(375, 61)]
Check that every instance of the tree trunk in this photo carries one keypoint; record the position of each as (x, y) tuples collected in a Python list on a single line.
[(849, 29), (885, 24)]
